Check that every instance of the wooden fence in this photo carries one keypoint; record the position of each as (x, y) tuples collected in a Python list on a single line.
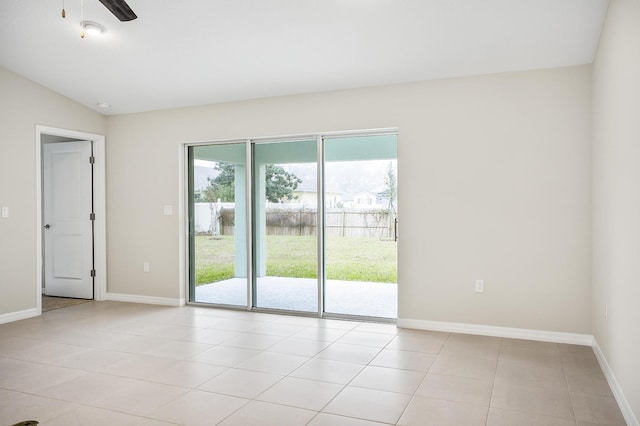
[(374, 223)]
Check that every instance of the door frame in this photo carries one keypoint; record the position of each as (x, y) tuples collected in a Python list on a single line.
[(99, 207)]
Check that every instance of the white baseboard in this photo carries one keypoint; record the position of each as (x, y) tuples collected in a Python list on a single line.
[(487, 330), (627, 412), (19, 315), (149, 300)]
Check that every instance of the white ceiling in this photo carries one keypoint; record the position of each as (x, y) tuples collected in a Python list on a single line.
[(191, 52)]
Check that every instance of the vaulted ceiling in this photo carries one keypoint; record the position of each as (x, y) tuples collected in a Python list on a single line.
[(191, 52)]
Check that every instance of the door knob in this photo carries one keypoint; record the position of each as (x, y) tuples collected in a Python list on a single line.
[(47, 226)]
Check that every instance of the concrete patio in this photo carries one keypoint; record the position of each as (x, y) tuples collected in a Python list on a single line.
[(300, 294)]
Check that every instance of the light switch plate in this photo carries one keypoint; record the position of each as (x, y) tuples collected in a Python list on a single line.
[(168, 210), (5, 212)]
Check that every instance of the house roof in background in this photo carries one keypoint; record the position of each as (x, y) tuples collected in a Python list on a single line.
[(183, 53)]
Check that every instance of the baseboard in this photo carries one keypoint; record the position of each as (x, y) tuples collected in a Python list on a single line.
[(487, 330), (627, 412), (19, 315), (148, 300)]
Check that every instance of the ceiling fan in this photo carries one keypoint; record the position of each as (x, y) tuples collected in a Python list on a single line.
[(120, 9)]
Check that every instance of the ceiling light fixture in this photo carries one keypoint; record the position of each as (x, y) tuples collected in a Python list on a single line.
[(92, 28), (104, 106)]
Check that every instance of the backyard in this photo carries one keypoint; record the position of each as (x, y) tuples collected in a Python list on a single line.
[(347, 258)]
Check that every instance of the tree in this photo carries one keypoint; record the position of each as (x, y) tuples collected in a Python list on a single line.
[(280, 184), (391, 192), (390, 186), (222, 186)]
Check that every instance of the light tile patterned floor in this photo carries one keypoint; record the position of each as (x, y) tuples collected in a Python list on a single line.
[(110, 363)]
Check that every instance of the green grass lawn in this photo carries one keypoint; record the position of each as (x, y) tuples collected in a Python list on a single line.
[(351, 259)]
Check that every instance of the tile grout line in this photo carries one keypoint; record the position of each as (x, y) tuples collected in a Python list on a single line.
[(493, 385)]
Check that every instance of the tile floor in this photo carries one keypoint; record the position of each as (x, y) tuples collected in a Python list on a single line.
[(109, 363)]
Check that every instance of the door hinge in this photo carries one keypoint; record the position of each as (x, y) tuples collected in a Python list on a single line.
[(92, 216), (92, 160), (93, 272)]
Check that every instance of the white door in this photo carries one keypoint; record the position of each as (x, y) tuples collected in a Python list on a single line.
[(68, 228)]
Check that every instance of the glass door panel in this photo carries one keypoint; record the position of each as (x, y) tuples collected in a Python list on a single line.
[(360, 196), (217, 224), (285, 232)]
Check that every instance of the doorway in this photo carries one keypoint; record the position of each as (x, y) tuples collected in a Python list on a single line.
[(65, 253), (305, 225)]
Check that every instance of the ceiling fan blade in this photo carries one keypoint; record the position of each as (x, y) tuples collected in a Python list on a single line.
[(120, 9)]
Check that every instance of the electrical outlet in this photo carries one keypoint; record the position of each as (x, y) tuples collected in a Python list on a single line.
[(145, 266), (479, 286)]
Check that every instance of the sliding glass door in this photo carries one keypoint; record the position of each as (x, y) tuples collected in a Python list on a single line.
[(360, 226), (303, 225), (285, 232), (217, 224)]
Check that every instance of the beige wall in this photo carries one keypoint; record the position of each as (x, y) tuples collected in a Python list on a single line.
[(616, 201), (494, 180), (23, 105)]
